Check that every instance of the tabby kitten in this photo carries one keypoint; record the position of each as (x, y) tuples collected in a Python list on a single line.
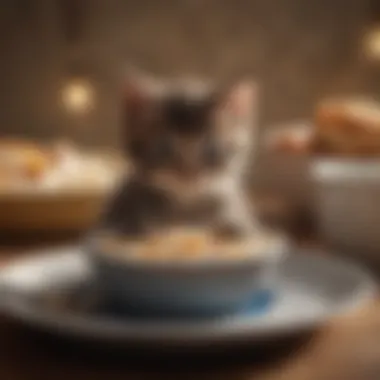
[(188, 143)]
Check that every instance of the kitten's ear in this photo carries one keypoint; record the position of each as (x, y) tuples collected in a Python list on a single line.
[(240, 99), (138, 88), (138, 97)]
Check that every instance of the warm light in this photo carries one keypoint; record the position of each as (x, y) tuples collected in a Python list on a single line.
[(78, 96), (372, 44)]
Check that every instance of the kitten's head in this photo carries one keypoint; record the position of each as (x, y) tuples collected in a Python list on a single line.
[(186, 131)]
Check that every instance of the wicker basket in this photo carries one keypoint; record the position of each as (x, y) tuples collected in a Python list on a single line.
[(50, 212)]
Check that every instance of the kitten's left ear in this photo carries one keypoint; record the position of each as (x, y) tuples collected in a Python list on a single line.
[(240, 99)]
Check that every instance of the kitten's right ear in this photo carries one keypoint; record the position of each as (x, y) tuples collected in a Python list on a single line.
[(241, 98), (138, 97), (137, 89)]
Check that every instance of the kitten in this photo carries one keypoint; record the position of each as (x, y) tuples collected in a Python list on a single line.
[(188, 144)]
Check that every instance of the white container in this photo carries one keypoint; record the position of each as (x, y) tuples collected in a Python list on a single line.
[(348, 205)]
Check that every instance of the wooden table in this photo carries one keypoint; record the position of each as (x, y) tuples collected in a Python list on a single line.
[(346, 349)]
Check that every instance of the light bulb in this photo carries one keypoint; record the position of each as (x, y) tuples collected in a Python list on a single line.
[(371, 44), (78, 96)]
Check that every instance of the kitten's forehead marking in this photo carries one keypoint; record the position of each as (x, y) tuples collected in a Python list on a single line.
[(195, 87), (189, 87), (158, 89)]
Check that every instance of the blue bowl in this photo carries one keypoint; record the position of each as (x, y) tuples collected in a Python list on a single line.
[(193, 288)]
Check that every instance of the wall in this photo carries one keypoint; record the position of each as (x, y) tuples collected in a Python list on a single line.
[(299, 50)]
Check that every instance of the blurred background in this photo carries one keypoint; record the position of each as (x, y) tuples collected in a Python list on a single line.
[(62, 60)]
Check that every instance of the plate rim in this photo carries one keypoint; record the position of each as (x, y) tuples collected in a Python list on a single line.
[(183, 333)]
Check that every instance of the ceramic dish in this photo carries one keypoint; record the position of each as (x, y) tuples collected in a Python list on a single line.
[(209, 286), (48, 292), (72, 207), (348, 205)]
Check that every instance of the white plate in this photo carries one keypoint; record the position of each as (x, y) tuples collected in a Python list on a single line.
[(311, 290)]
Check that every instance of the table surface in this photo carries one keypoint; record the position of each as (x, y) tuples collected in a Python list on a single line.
[(346, 349)]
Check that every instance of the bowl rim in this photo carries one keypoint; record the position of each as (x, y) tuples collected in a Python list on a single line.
[(46, 194), (345, 169), (114, 160), (277, 250)]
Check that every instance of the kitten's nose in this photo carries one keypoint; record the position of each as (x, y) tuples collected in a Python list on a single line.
[(188, 171), (187, 168), (188, 164)]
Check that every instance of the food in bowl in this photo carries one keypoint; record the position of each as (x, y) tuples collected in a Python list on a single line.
[(349, 127), (346, 127), (56, 186), (295, 138), (186, 244), (340, 126), (26, 165), (22, 160), (346, 178), (184, 273)]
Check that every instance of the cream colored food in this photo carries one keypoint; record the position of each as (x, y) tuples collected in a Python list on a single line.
[(349, 126), (184, 245), (341, 126), (25, 165), (295, 138)]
